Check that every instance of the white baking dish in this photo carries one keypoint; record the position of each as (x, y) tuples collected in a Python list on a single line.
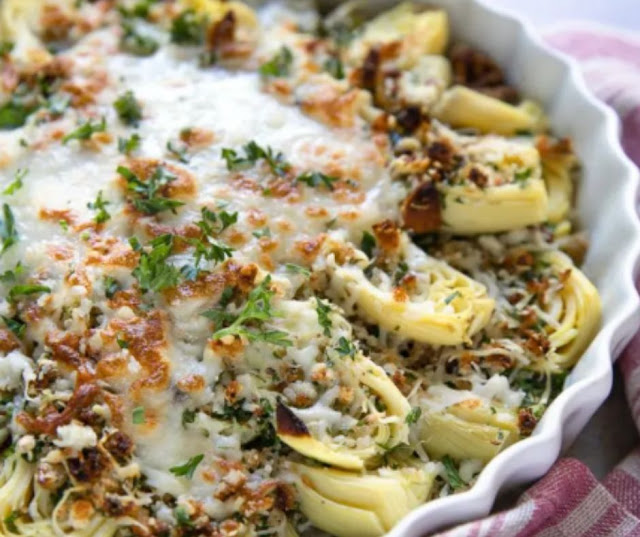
[(605, 208)]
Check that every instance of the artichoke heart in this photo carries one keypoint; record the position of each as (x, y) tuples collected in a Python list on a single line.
[(575, 310), (419, 32), (446, 308), (347, 504), (293, 431), (470, 210), (444, 433), (462, 107)]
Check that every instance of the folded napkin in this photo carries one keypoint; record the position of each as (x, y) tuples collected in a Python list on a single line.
[(569, 501)]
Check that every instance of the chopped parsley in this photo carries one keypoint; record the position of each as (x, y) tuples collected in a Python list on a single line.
[(5, 47), (128, 108), (17, 183), (368, 243), (252, 154), (521, 176), (188, 28), (334, 67), (139, 9), (126, 146), (401, 271), (111, 287), (15, 325), (279, 65), (297, 269), (260, 233), (207, 248), (137, 416), (122, 343), (188, 468), (86, 130), (323, 309), (182, 517), (188, 416), (153, 272), (452, 297), (8, 232), (147, 200), (249, 321), (315, 179), (10, 521), (413, 416), (12, 275), (27, 289), (135, 41), (14, 113), (453, 476), (346, 348), (179, 153), (100, 206)]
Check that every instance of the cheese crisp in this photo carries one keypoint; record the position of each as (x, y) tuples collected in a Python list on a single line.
[(262, 273)]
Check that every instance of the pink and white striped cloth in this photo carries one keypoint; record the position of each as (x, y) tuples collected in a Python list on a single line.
[(569, 501)]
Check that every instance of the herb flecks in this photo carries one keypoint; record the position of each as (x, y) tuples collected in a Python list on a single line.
[(17, 182), (86, 130), (147, 199), (316, 179), (252, 154), (153, 272), (188, 468), (100, 206), (8, 231), (249, 321), (279, 66), (128, 108)]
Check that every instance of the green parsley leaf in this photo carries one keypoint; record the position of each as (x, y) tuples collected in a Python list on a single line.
[(346, 348), (334, 67), (153, 272), (64, 225), (188, 416), (297, 269), (111, 286), (8, 232), (128, 108), (179, 153), (279, 65), (314, 179), (15, 325), (122, 343), (264, 232), (401, 271), (14, 113), (252, 153), (521, 176), (255, 312), (140, 9), (413, 416), (135, 41), (86, 130), (368, 243), (26, 289), (100, 205), (5, 47), (10, 521), (182, 517), (188, 28), (16, 184), (188, 468), (452, 297), (137, 416), (453, 476), (12, 275), (147, 200), (126, 146), (323, 309)]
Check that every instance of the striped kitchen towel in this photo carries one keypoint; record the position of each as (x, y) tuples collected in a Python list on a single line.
[(569, 501)]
